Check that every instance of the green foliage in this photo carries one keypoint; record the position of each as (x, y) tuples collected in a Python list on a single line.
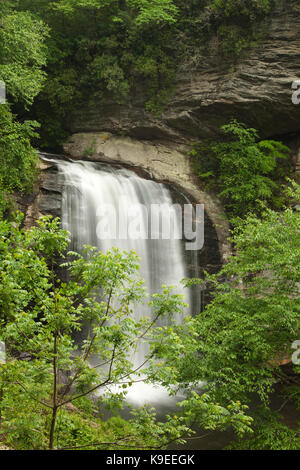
[(100, 65), (18, 160), (40, 317), (105, 74), (157, 69), (22, 55), (237, 22), (142, 11), (251, 9), (248, 329), (270, 433), (155, 12), (238, 25), (242, 168), (232, 42)]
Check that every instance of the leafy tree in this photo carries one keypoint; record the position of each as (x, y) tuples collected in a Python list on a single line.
[(41, 316), (18, 160), (247, 331), (248, 8), (155, 12), (22, 55), (241, 167), (94, 56), (142, 11), (237, 24)]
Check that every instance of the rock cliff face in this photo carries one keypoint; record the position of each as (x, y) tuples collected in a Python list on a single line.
[(256, 90), (46, 197)]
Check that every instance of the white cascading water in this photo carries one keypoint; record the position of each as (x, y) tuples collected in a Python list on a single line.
[(88, 186)]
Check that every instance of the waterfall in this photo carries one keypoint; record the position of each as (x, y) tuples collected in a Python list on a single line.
[(89, 187)]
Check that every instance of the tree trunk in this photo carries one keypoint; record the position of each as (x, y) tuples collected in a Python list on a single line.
[(52, 428), (54, 407)]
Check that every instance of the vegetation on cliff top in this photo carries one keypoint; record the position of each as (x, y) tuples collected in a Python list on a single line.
[(22, 58), (105, 52), (57, 55)]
